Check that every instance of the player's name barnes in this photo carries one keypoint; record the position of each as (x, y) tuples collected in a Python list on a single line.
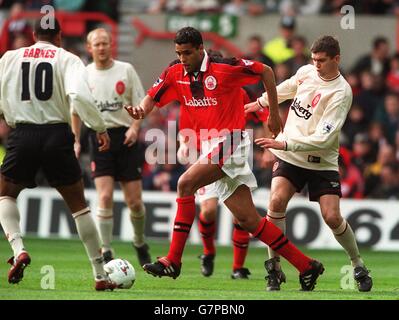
[(203, 102), (108, 106), (301, 111), (39, 53)]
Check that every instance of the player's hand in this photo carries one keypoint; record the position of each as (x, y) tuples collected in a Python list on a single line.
[(271, 143), (183, 153), (252, 107), (103, 141), (268, 159), (136, 112), (77, 148), (131, 137), (275, 124)]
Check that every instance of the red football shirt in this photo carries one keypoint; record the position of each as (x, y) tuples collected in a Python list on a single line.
[(213, 99)]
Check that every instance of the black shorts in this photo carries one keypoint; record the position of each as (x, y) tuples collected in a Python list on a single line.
[(320, 182), (49, 147), (120, 161)]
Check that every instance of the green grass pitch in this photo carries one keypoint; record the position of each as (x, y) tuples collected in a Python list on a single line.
[(73, 277)]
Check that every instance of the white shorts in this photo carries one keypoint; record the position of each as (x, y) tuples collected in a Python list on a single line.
[(235, 165), (207, 192)]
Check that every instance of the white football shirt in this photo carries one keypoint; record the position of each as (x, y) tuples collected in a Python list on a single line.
[(38, 84), (315, 118), (113, 88)]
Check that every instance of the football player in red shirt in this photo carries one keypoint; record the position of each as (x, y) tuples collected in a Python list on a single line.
[(209, 93)]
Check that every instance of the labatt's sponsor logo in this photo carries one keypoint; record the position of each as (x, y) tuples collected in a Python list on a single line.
[(301, 111), (203, 102)]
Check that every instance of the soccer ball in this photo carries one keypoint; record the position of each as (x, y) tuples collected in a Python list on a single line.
[(121, 272)]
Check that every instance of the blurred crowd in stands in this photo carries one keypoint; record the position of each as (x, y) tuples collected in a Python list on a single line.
[(369, 154)]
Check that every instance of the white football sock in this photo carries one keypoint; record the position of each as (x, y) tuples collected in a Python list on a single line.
[(88, 234), (105, 223), (9, 219)]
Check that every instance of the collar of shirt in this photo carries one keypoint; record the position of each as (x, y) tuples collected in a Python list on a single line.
[(204, 64)]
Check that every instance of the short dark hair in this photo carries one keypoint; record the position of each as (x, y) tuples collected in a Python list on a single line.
[(378, 41), (327, 44), (42, 30), (189, 35)]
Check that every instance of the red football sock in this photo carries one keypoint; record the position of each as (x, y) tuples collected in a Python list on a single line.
[(240, 246), (207, 231), (184, 220), (268, 233)]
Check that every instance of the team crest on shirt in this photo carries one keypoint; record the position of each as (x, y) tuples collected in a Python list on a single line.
[(210, 82), (159, 81), (247, 62), (120, 87), (316, 100)]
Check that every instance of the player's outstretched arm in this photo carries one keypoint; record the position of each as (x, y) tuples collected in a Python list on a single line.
[(274, 121), (140, 111)]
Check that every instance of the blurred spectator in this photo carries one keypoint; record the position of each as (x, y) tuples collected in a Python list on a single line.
[(386, 155), (355, 123), (334, 6), (352, 182), (36, 4), (301, 54), (377, 135), (387, 186), (20, 40), (376, 62), (362, 152), (16, 28), (256, 7), (354, 82), (254, 52), (164, 177), (69, 5), (235, 7), (389, 116), (186, 7), (281, 72), (300, 7), (368, 96), (377, 6), (279, 49), (392, 80)]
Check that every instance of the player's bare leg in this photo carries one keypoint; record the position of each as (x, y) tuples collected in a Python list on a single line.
[(281, 192), (197, 176), (105, 214), (241, 205), (132, 191), (207, 229), (10, 222), (329, 205), (74, 198)]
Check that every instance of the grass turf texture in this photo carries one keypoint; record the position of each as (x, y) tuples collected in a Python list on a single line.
[(73, 277)]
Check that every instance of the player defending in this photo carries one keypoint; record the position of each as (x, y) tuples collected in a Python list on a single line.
[(113, 84), (209, 95), (307, 151), (37, 85)]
